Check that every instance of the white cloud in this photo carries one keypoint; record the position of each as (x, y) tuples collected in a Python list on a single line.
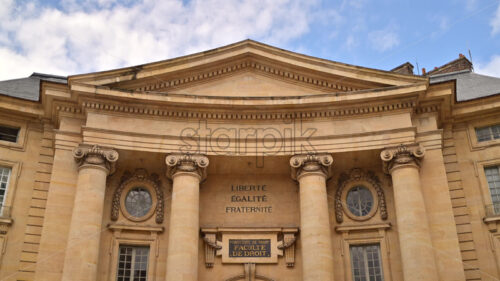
[(384, 39), (495, 22), (92, 35), (491, 68)]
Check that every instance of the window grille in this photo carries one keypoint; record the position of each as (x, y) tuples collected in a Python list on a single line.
[(366, 263), (493, 178), (4, 184), (133, 263), (9, 133), (488, 133)]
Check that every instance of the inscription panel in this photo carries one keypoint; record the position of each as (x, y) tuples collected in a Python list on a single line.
[(249, 248)]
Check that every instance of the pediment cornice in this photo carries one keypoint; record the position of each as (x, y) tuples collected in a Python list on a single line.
[(243, 55), (301, 77)]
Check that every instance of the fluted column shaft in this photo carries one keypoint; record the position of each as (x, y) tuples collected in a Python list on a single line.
[(311, 171), (186, 172), (417, 254), (82, 251)]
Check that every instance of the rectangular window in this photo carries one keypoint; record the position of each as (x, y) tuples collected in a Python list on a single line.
[(366, 263), (133, 263), (493, 178), (8, 133), (488, 133), (4, 184)]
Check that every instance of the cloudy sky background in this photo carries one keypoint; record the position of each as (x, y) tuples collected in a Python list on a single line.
[(69, 37)]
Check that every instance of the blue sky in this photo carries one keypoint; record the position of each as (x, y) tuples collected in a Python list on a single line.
[(68, 37)]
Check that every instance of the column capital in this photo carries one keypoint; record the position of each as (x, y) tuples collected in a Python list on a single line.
[(195, 164), (95, 156), (401, 156), (303, 164)]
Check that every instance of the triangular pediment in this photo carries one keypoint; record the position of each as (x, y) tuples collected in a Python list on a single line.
[(247, 84), (246, 68)]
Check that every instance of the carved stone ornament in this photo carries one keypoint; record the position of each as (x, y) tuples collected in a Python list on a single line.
[(395, 157), (187, 163), (212, 246), (354, 176), (311, 163), (287, 245), (95, 156), (250, 274), (140, 176)]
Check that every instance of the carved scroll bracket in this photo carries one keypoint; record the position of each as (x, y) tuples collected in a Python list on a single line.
[(400, 156), (287, 247), (212, 247), (284, 247), (311, 164), (187, 163), (95, 156)]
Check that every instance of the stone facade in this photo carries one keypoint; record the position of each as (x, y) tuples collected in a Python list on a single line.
[(241, 163)]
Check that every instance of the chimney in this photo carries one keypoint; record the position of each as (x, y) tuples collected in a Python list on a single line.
[(423, 71), (459, 64)]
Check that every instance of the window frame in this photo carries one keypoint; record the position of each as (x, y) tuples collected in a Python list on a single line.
[(9, 196), (141, 184), (490, 133), (150, 240), (21, 137), (483, 184), (379, 236), (133, 259), (11, 128), (474, 144), (348, 187), (497, 167), (365, 261)]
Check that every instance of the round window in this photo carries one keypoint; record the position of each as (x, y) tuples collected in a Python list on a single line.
[(359, 201), (138, 202)]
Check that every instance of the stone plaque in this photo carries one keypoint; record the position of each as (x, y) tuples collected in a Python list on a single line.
[(250, 248)]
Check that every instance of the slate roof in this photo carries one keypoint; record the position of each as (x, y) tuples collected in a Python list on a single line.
[(469, 85), (28, 88)]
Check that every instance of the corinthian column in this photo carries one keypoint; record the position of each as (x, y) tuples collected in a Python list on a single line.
[(186, 171), (82, 251), (312, 171), (417, 254)]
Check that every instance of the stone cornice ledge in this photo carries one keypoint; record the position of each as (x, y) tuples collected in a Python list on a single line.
[(274, 101), (136, 227), (348, 228)]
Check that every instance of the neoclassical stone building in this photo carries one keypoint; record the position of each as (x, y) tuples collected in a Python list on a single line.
[(249, 162)]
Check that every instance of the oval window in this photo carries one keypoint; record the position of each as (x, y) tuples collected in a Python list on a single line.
[(138, 202), (359, 201)]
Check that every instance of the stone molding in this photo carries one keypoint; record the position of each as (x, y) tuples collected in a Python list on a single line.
[(87, 156), (195, 164), (281, 73), (356, 175), (401, 156), (139, 176), (240, 115), (304, 164), (285, 244)]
